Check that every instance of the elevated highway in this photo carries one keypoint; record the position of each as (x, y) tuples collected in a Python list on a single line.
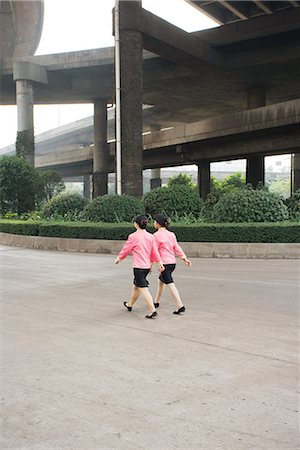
[(228, 92), (273, 129)]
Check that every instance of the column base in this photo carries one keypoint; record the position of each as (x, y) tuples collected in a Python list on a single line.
[(100, 182), (204, 179), (25, 145), (255, 170), (155, 183)]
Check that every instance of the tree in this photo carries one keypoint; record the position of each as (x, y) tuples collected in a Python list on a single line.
[(281, 186), (50, 185), (18, 185), (236, 180), (181, 180)]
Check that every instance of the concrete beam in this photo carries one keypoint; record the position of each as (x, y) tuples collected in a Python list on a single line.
[(167, 40), (235, 10), (28, 71), (272, 129), (271, 142), (254, 28), (267, 117)]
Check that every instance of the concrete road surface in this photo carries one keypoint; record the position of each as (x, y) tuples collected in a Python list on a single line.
[(82, 373)]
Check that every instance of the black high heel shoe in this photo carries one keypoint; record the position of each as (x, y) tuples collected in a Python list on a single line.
[(180, 310), (128, 307), (156, 305), (151, 316)]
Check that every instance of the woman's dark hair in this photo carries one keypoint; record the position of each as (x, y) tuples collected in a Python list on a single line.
[(162, 220), (142, 221)]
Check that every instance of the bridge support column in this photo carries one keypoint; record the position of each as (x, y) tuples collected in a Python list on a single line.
[(155, 177), (255, 166), (295, 172), (204, 179), (255, 170), (87, 186), (131, 67), (25, 135), (100, 157), (25, 74), (155, 180)]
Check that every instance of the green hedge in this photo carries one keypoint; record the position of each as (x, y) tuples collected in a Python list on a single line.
[(113, 208), (282, 232)]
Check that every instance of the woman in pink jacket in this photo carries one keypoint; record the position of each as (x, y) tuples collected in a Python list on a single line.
[(168, 246), (144, 252)]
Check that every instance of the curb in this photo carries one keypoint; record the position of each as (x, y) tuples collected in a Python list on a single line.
[(192, 249)]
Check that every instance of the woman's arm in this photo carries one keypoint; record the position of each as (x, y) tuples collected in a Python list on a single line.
[(126, 249), (179, 252)]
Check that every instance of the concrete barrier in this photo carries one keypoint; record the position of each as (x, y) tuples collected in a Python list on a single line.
[(192, 249)]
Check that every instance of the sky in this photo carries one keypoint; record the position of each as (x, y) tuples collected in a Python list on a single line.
[(70, 26)]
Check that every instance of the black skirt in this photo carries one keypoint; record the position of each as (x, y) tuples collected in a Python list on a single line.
[(140, 277), (166, 275)]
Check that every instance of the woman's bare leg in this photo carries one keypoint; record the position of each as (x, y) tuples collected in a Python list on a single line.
[(160, 289), (149, 300), (175, 294), (134, 296)]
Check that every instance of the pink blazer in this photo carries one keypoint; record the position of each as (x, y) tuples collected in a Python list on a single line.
[(168, 246), (143, 248)]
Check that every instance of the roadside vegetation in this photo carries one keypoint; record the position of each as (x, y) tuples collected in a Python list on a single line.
[(36, 203)]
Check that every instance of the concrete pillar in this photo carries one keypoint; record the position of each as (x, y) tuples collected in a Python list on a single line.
[(25, 136), (255, 166), (100, 157), (87, 186), (204, 179), (131, 67), (25, 74), (295, 172), (155, 178), (255, 170)]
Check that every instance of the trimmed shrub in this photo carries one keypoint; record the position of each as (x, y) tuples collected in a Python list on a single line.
[(279, 232), (293, 206), (113, 208), (176, 202), (229, 232), (249, 205), (64, 206), (19, 227)]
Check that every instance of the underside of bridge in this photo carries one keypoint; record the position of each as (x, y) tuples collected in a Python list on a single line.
[(228, 92)]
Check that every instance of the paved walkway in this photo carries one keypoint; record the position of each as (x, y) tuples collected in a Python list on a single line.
[(80, 372)]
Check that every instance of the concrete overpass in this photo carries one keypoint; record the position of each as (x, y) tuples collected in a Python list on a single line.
[(69, 149), (232, 91), (21, 24)]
